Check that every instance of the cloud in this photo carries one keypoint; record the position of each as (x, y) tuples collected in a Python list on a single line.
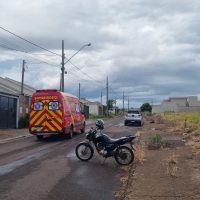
[(148, 49)]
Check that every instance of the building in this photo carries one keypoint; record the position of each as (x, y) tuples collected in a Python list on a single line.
[(178, 104), (95, 108), (13, 104)]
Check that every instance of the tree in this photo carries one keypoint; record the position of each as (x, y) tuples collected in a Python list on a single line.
[(110, 104), (146, 107)]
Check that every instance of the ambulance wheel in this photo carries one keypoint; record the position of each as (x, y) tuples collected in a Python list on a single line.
[(71, 133), (39, 137)]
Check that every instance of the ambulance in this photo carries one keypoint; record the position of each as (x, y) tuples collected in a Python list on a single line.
[(54, 112)]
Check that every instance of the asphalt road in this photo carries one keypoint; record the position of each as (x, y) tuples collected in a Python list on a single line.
[(49, 169)]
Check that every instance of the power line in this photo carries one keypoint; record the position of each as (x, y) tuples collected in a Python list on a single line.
[(22, 38), (29, 41), (79, 69), (13, 49), (54, 65)]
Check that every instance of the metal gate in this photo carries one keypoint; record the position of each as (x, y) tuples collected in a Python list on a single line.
[(8, 112)]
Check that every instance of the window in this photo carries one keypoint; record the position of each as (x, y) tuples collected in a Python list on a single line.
[(53, 105), (133, 112), (38, 106), (77, 108), (69, 106)]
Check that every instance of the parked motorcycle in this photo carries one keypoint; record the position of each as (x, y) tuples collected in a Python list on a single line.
[(106, 146)]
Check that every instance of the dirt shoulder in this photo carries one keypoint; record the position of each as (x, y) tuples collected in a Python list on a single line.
[(170, 172)]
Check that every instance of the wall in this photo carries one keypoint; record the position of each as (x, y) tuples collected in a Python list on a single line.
[(187, 104), (94, 109), (24, 102)]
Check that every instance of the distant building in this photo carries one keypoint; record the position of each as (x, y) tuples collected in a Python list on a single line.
[(13, 104), (95, 108), (178, 104)]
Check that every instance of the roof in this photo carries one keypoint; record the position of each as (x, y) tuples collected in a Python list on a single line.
[(178, 98), (55, 90), (13, 87), (86, 102)]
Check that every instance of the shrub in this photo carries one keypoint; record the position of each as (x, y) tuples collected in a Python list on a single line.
[(156, 139), (155, 142), (23, 121)]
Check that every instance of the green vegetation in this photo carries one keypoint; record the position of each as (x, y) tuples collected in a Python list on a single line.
[(111, 103), (156, 142), (23, 121), (156, 139), (186, 119), (91, 116), (99, 116), (146, 107), (187, 123)]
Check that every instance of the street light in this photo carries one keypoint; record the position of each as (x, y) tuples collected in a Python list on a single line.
[(63, 63), (86, 45)]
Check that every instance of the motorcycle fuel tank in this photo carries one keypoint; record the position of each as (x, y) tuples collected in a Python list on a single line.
[(102, 138)]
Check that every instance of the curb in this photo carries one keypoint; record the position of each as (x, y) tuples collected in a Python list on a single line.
[(14, 138), (2, 141)]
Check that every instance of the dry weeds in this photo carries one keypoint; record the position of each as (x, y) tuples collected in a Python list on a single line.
[(139, 154), (171, 163)]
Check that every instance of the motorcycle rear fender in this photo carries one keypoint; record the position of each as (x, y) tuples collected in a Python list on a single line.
[(133, 147), (127, 139)]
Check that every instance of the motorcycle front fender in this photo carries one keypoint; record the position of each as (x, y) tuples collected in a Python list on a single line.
[(88, 143)]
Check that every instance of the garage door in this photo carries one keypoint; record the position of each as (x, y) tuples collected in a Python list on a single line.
[(8, 112)]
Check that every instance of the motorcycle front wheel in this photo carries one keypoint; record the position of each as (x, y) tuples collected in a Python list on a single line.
[(84, 151), (124, 155)]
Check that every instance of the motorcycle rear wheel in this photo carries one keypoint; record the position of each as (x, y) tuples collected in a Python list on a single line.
[(124, 155), (84, 151)]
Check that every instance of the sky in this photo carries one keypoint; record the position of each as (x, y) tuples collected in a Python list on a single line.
[(148, 49)]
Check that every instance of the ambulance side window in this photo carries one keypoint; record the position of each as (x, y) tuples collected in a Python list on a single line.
[(73, 108), (69, 106), (77, 108), (66, 107), (81, 108)]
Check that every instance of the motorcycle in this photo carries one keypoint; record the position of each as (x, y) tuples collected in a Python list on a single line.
[(106, 146)]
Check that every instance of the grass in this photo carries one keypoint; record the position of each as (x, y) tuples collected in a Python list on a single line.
[(189, 123), (94, 117), (189, 117), (155, 142)]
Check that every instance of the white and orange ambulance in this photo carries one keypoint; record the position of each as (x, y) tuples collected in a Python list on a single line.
[(54, 112)]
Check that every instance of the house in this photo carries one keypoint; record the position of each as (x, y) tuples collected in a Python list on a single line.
[(178, 104), (95, 108), (13, 104)]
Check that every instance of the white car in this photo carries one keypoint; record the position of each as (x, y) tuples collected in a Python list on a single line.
[(133, 117)]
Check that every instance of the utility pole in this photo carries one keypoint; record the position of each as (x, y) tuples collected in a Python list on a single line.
[(60, 81), (79, 91), (101, 105), (115, 105), (107, 94), (123, 102), (23, 70), (128, 102), (63, 67)]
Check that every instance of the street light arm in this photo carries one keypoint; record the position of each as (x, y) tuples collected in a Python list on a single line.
[(78, 52)]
